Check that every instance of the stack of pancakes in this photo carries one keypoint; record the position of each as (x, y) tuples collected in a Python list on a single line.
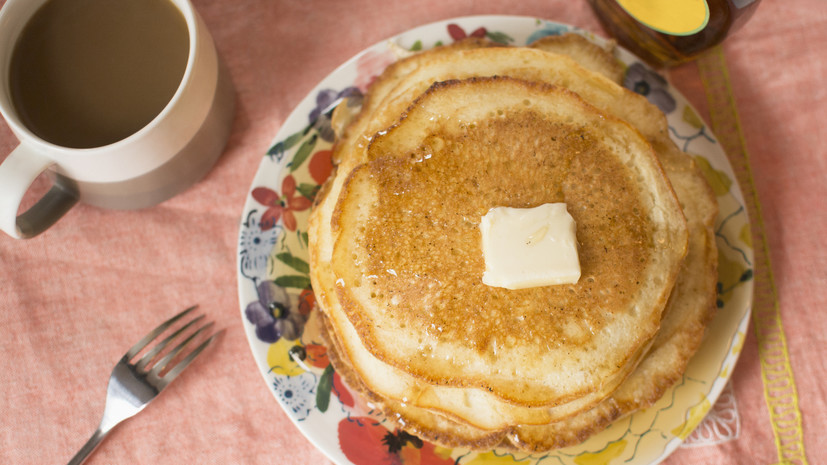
[(396, 257)]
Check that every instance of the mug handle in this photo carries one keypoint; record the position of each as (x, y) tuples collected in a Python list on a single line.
[(17, 172)]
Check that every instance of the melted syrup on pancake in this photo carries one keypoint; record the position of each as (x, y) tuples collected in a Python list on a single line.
[(431, 202)]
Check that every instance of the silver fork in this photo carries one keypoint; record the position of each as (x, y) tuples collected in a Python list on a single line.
[(133, 385)]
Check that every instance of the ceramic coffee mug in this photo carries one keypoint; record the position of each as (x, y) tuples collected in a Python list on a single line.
[(174, 150)]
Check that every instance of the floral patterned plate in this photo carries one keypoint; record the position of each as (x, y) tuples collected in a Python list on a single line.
[(277, 304)]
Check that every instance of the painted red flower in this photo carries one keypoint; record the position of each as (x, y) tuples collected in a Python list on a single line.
[(458, 33), (369, 66), (342, 391), (364, 441), (316, 355), (321, 165), (307, 300), (281, 207)]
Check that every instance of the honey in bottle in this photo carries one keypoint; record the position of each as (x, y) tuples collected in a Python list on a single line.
[(670, 32)]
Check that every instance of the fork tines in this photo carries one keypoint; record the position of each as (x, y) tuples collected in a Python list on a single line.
[(164, 361)]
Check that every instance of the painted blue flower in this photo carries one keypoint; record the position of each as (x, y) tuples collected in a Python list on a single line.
[(256, 245), (326, 100), (296, 393), (549, 29), (650, 84), (274, 314)]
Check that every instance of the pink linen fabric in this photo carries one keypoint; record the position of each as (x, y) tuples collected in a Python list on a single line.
[(75, 298)]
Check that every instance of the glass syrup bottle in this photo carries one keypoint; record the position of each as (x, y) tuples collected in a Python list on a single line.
[(670, 32)]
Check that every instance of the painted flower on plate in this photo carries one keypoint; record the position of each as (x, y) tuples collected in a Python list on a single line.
[(296, 393), (458, 33), (650, 84), (274, 314), (326, 100), (369, 65), (256, 244), (281, 207), (321, 165), (364, 441), (342, 392), (549, 29)]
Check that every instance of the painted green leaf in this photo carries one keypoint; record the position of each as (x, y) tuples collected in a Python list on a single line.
[(717, 179), (500, 37), (323, 391), (303, 152), (308, 190), (692, 118), (304, 238), (299, 282), (294, 262), (279, 148), (417, 46), (293, 139)]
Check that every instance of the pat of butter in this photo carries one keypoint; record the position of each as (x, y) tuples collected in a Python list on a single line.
[(529, 247)]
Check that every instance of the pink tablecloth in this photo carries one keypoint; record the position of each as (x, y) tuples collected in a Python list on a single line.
[(74, 298)]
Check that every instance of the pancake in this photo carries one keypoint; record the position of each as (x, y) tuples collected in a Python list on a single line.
[(587, 54), (432, 414), (422, 308)]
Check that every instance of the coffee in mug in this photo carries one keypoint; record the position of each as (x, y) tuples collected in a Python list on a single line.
[(88, 73)]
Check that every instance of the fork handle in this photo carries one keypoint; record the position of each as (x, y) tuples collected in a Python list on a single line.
[(89, 447)]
